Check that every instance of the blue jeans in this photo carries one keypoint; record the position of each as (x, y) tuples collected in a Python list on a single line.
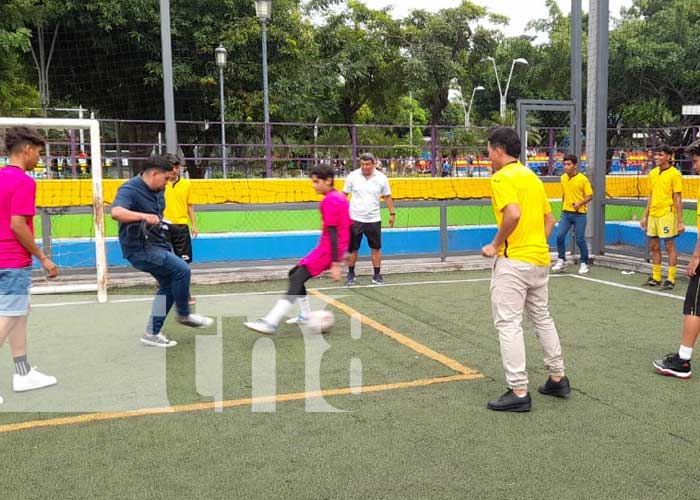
[(578, 221), (173, 276), (14, 291)]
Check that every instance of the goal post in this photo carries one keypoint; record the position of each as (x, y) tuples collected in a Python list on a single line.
[(97, 199)]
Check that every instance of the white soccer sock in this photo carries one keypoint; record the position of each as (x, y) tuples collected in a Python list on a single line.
[(304, 306), (685, 353), (278, 312)]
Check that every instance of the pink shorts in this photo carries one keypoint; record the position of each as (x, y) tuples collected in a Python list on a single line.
[(317, 261)]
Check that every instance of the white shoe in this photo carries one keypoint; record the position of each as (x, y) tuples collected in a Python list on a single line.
[(32, 380), (195, 321), (159, 340), (559, 266), (296, 320), (1, 400), (261, 326), (583, 268)]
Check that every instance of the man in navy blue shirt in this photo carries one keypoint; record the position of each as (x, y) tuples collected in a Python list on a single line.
[(138, 207)]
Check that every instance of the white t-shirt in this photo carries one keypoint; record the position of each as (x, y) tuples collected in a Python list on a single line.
[(364, 204)]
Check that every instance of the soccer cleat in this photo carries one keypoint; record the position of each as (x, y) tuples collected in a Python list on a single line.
[(673, 366), (583, 268), (377, 279), (651, 282), (350, 279), (158, 340), (296, 320), (559, 266), (561, 389), (261, 326), (32, 380), (668, 285), (195, 321), (510, 402)]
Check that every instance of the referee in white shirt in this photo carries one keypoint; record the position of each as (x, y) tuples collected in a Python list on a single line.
[(367, 186)]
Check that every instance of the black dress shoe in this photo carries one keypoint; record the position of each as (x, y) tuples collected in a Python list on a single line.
[(511, 402), (561, 389)]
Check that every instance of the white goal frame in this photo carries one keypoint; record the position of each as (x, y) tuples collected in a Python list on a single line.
[(97, 198)]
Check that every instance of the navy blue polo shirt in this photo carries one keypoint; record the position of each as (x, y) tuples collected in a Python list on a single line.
[(135, 195)]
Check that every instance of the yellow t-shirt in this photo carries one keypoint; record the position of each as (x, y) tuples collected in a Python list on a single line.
[(574, 190), (177, 200), (663, 186), (517, 184)]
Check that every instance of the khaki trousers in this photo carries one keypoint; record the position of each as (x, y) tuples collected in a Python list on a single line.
[(515, 287)]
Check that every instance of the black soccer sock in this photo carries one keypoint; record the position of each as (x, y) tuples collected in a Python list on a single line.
[(351, 269), (377, 271), (21, 365)]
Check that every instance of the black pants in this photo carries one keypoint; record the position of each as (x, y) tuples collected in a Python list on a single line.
[(181, 241), (298, 276)]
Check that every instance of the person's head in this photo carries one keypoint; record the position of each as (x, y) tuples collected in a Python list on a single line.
[(503, 147), (24, 146), (367, 162), (570, 164), (175, 161), (157, 172), (322, 178), (663, 155), (693, 152)]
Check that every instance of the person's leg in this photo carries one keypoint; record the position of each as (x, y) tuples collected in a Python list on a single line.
[(162, 303), (268, 325), (373, 232), (564, 227), (670, 245), (353, 251), (580, 230), (655, 249), (298, 277)]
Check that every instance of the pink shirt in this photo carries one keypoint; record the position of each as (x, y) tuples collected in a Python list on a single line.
[(17, 197)]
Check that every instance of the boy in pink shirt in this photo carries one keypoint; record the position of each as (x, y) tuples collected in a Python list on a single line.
[(17, 245), (328, 254)]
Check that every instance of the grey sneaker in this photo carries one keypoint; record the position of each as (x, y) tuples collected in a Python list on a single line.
[(195, 321), (350, 279), (377, 279), (159, 340)]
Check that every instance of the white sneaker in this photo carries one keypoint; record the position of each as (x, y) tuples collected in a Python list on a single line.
[(261, 326), (296, 320), (159, 340), (32, 380), (1, 400), (559, 266), (195, 321), (583, 268)]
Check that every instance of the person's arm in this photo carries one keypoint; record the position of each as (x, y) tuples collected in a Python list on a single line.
[(193, 220), (125, 216), (390, 205), (548, 224), (21, 230), (583, 202), (336, 257), (511, 217), (678, 202), (645, 215)]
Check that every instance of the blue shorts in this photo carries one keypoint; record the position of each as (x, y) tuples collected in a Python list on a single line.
[(14, 291)]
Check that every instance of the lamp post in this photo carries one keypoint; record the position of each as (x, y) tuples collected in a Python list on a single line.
[(467, 115), (263, 11), (504, 95), (220, 54)]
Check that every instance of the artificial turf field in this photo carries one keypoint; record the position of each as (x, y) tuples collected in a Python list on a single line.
[(73, 226), (625, 433)]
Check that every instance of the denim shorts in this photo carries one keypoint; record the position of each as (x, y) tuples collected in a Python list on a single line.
[(14, 291)]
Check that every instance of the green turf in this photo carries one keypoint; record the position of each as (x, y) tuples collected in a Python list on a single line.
[(626, 433), (73, 226)]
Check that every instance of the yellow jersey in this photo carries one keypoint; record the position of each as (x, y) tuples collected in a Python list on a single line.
[(177, 201), (574, 190), (664, 184), (517, 184)]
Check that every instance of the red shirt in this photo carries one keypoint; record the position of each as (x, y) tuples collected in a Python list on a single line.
[(17, 197)]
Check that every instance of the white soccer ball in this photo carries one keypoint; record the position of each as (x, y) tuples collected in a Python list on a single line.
[(321, 321)]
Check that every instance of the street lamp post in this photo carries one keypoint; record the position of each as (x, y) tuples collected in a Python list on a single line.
[(263, 10), (467, 115), (504, 95), (220, 54)]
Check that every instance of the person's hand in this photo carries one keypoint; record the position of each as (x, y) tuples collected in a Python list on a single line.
[(489, 250), (392, 219), (577, 206), (50, 267), (194, 232), (151, 219), (335, 271), (693, 265), (643, 223)]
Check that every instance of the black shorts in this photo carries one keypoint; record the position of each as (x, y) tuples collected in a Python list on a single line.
[(691, 305), (181, 241), (373, 232)]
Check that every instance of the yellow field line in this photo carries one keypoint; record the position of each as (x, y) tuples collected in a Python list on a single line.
[(400, 338), (98, 417)]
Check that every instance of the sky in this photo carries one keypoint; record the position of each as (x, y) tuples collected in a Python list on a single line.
[(520, 12)]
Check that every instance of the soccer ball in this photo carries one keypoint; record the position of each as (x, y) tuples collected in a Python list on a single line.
[(321, 321)]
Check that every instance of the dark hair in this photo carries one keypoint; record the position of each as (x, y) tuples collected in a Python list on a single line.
[(322, 172), (173, 159), (664, 149), (159, 163), (507, 139), (572, 158), (18, 137), (693, 149), (366, 157)]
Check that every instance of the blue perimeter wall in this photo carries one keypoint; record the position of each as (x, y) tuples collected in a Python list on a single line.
[(289, 245)]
